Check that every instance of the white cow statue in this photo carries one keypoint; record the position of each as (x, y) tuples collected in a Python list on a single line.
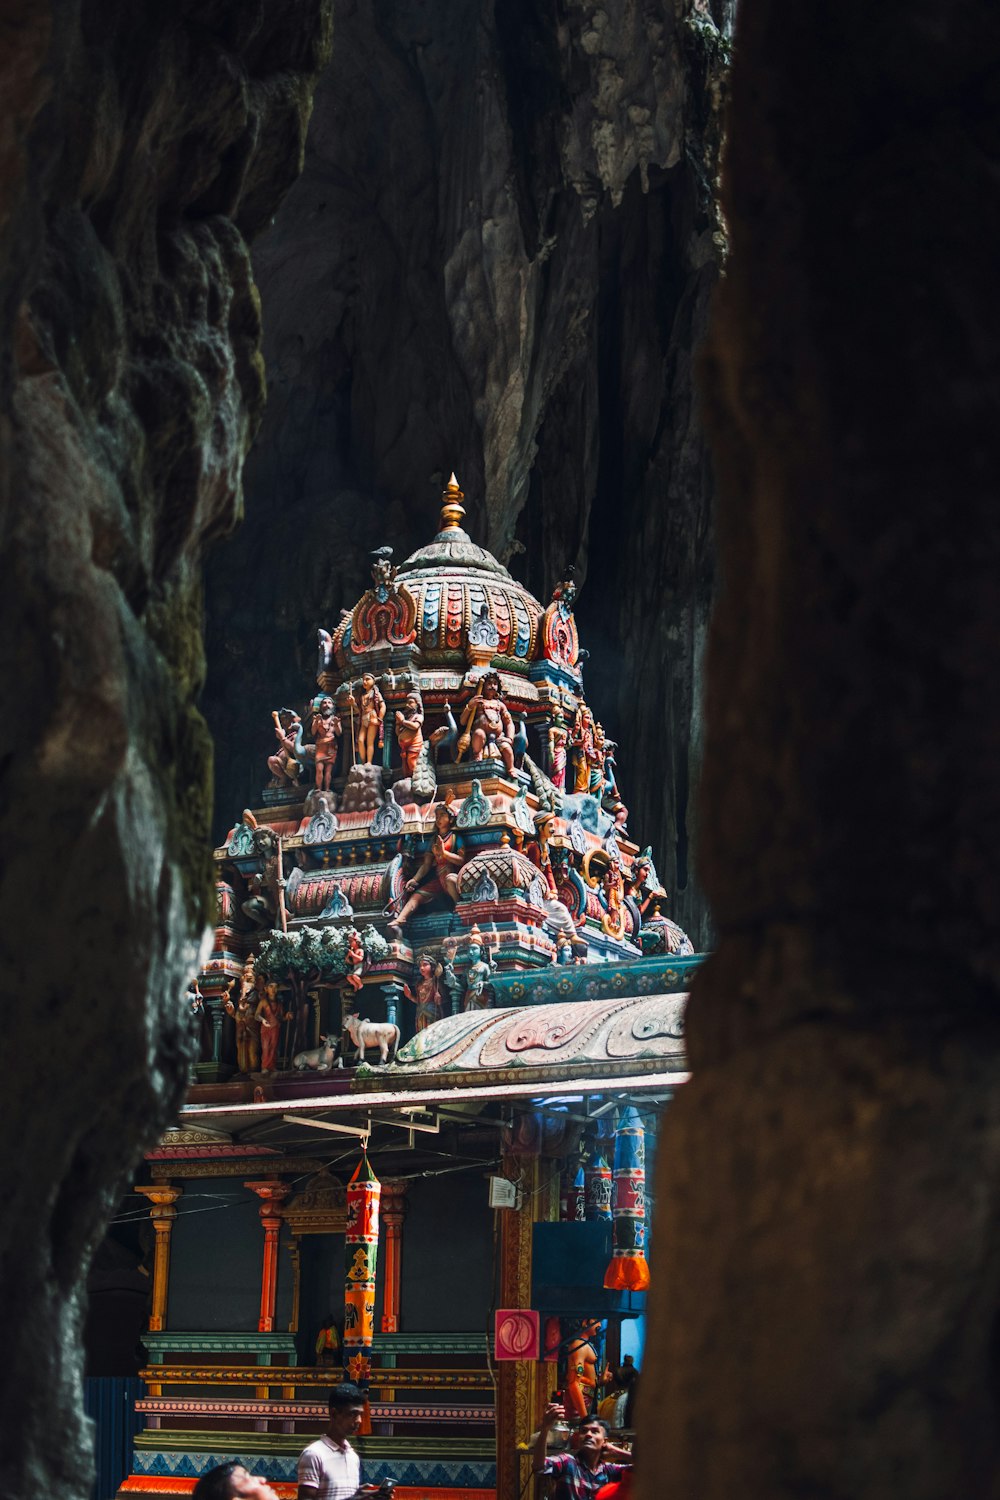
[(322, 1058), (365, 1034)]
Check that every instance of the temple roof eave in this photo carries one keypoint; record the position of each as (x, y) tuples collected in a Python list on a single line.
[(601, 1038)]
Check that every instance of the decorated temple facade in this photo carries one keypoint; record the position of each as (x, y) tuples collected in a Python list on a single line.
[(441, 1017)]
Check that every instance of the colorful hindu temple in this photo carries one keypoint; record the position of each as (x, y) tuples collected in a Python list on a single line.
[(440, 1021)]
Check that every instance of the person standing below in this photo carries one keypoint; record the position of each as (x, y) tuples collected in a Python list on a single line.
[(580, 1474), (329, 1469)]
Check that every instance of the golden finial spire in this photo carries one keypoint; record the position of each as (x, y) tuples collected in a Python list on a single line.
[(452, 509)]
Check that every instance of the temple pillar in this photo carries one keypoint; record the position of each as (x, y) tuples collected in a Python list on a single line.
[(393, 1211), (521, 1384), (271, 1195), (162, 1198), (295, 1251)]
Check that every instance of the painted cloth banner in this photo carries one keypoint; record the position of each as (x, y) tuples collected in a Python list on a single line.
[(360, 1261), (597, 1190), (628, 1270), (571, 1197)]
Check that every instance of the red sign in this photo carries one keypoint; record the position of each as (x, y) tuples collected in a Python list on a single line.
[(518, 1334)]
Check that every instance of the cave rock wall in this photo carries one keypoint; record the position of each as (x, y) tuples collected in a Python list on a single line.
[(497, 259), (141, 146)]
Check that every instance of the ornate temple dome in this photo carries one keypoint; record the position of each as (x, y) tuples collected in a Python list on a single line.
[(453, 581), (503, 868)]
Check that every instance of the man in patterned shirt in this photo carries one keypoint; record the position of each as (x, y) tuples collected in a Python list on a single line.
[(329, 1469), (580, 1474)]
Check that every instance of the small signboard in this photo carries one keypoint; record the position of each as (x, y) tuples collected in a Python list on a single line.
[(517, 1334)]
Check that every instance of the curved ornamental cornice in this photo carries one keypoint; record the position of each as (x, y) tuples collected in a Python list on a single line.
[(585, 1035)]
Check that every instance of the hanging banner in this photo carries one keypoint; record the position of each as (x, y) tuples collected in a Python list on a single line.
[(360, 1262), (597, 1186), (628, 1270)]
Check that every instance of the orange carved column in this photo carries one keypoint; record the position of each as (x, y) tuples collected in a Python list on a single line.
[(271, 1194), (393, 1211), (162, 1198)]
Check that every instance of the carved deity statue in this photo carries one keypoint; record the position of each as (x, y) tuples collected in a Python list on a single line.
[(428, 998), (557, 632), (643, 884), (269, 1016), (486, 718), (243, 1012), (613, 901), (612, 797), (557, 917), (558, 737), (584, 754), (410, 731), (370, 718), (383, 571), (354, 963), (283, 765), (266, 886), (449, 977), (437, 873), (326, 731), (596, 785), (581, 1371), (478, 974)]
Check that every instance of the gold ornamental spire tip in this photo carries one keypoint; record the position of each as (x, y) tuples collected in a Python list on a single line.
[(452, 509)]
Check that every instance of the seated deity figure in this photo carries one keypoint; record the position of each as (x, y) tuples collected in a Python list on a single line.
[(437, 873), (557, 918), (410, 731), (283, 765), (371, 714), (487, 717)]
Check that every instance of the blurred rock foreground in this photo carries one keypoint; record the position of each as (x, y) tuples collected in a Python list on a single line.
[(141, 146)]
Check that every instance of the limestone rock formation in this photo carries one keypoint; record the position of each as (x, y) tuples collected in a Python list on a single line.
[(141, 146), (498, 260), (828, 1181)]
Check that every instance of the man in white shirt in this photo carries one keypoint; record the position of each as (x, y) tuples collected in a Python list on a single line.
[(329, 1469)]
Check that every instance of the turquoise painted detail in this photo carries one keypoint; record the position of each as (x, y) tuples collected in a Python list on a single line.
[(669, 975), (432, 608), (522, 629)]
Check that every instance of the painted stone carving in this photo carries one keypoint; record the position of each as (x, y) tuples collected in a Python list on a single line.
[(387, 613), (560, 641)]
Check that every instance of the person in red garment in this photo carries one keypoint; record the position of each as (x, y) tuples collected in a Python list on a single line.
[(618, 1489), (578, 1475)]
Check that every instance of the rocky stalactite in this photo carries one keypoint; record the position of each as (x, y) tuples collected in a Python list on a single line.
[(828, 1183), (497, 259), (142, 146)]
